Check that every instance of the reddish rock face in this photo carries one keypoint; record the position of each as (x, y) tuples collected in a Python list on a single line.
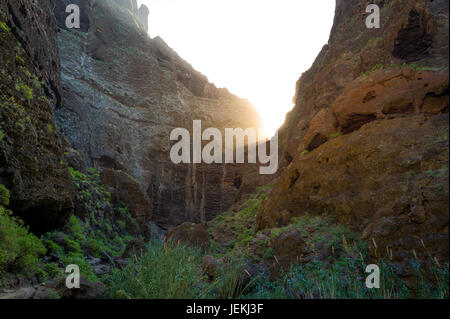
[(321, 129), (376, 128), (404, 37), (388, 92), (388, 180)]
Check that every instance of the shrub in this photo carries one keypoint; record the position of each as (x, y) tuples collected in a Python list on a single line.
[(4, 195), (19, 249), (4, 27), (26, 90), (76, 175)]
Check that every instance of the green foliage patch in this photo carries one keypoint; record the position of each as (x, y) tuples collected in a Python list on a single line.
[(19, 249)]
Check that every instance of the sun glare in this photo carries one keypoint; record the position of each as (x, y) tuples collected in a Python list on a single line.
[(256, 48)]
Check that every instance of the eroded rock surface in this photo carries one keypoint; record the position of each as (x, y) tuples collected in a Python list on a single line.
[(32, 163), (367, 141), (388, 180), (124, 94)]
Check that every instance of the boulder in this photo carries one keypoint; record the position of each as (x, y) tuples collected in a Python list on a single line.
[(134, 248), (21, 293), (289, 248), (189, 234), (87, 290), (321, 128), (209, 266)]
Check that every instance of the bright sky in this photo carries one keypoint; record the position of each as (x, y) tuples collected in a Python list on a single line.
[(256, 48)]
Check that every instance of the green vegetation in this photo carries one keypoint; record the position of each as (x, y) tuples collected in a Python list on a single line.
[(21, 61), (19, 249), (346, 280), (4, 195), (242, 224), (373, 69), (169, 271), (173, 271), (96, 234), (4, 27), (77, 176), (25, 89), (52, 294), (164, 272), (304, 153), (423, 66), (336, 135)]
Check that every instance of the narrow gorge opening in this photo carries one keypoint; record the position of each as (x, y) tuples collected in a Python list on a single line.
[(132, 165), (256, 49)]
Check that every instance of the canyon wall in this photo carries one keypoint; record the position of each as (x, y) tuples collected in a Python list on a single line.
[(32, 162), (123, 95), (367, 140)]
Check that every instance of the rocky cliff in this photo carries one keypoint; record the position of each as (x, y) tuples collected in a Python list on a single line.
[(32, 163), (367, 140), (123, 95)]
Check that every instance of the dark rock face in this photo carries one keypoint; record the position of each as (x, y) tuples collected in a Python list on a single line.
[(85, 8), (414, 40), (124, 94), (367, 141), (125, 189), (31, 154), (34, 30)]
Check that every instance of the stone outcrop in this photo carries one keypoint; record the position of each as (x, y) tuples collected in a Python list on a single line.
[(386, 93), (388, 180), (189, 234), (367, 141), (142, 14), (123, 95), (127, 191), (354, 50), (32, 163)]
